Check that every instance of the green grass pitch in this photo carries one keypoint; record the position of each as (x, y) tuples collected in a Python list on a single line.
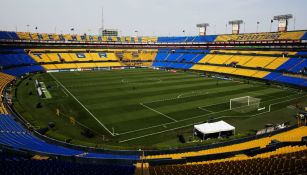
[(147, 108)]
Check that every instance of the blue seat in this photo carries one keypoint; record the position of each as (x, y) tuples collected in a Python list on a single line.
[(272, 76), (8, 35), (289, 64), (22, 165), (299, 67), (14, 135), (292, 80), (20, 71)]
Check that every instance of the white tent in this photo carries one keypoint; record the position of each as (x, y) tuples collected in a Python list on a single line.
[(216, 127)]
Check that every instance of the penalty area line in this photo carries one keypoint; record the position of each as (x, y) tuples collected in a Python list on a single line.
[(201, 108), (158, 112), (171, 129), (81, 104)]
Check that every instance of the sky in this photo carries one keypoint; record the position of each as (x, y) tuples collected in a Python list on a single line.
[(148, 17)]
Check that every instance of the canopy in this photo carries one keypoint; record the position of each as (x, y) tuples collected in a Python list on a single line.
[(216, 127)]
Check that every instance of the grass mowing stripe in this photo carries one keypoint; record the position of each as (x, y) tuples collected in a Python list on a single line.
[(104, 77), (158, 112), (210, 95), (83, 105), (116, 83), (138, 137), (217, 112), (154, 92)]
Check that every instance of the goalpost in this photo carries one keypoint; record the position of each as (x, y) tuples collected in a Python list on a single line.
[(244, 104)]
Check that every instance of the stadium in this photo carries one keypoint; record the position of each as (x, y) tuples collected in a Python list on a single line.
[(153, 105)]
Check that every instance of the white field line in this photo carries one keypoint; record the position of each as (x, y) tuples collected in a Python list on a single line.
[(57, 84), (212, 105), (86, 85), (249, 92), (155, 80), (134, 138), (180, 96), (258, 93), (167, 99), (193, 92), (164, 124), (205, 109), (198, 117), (141, 129), (82, 105), (65, 92), (239, 107), (269, 110), (198, 93), (158, 112)]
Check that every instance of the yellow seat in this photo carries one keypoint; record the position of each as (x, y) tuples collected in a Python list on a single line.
[(4, 80), (288, 136)]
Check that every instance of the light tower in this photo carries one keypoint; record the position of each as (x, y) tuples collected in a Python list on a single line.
[(236, 26), (102, 23), (283, 22), (202, 28)]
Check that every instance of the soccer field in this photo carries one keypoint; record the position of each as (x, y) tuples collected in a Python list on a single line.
[(144, 107)]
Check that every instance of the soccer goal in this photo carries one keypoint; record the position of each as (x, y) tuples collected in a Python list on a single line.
[(244, 104)]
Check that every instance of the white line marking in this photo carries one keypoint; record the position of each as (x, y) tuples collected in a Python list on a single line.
[(154, 80), (65, 93), (239, 107), (193, 92), (134, 138), (82, 105), (205, 109), (257, 93), (57, 84), (141, 129), (213, 104), (176, 98), (192, 117), (167, 99), (158, 112)]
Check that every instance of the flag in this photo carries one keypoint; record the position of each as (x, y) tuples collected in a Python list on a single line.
[(272, 20)]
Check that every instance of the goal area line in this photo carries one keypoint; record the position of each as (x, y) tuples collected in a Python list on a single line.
[(198, 116), (243, 116)]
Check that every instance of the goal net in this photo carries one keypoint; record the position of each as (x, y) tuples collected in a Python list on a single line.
[(244, 104)]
